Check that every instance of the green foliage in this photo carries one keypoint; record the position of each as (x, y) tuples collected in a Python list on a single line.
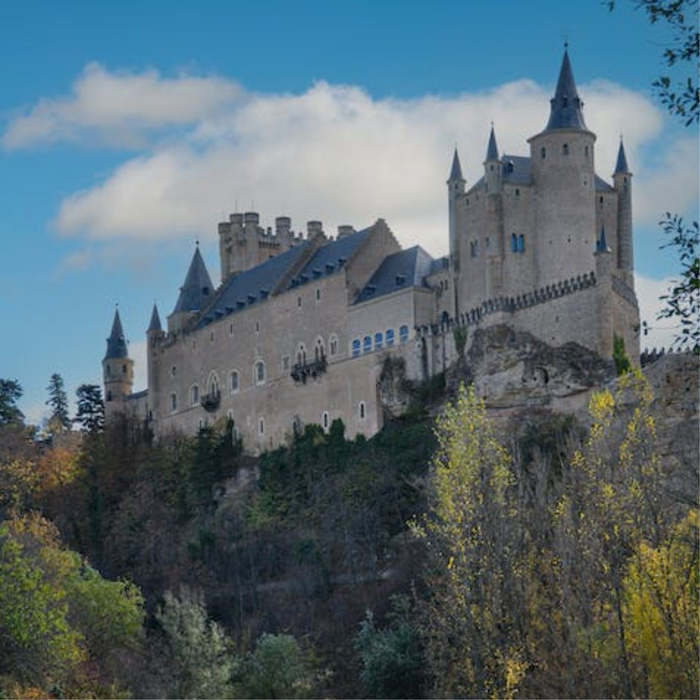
[(620, 358), (460, 338), (392, 657), (200, 655), (10, 393), (91, 409), (682, 302), (277, 668), (59, 419)]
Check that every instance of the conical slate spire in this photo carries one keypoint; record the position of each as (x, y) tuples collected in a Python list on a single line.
[(197, 289), (566, 106), (116, 343), (621, 166), (154, 325), (602, 244), (492, 150), (456, 172)]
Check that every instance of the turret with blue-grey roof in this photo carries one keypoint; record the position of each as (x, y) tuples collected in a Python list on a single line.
[(117, 368), (566, 107), (622, 179), (455, 189), (492, 165), (195, 293)]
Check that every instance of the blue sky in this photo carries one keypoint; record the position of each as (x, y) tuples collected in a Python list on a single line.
[(130, 128)]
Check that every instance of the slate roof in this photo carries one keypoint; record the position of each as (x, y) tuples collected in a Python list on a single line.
[(330, 257), (438, 265), (456, 172), (252, 286), (601, 185), (566, 106), (520, 173), (116, 343), (621, 165), (197, 290), (137, 395), (492, 149), (402, 270), (154, 325)]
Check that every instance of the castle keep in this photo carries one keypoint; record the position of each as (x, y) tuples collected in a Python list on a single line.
[(298, 330)]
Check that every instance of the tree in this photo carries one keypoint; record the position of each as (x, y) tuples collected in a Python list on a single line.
[(59, 419), (683, 299), (10, 392), (201, 655), (680, 94), (622, 362), (471, 618), (91, 408)]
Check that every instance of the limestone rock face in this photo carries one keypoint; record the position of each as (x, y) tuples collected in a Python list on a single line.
[(513, 369)]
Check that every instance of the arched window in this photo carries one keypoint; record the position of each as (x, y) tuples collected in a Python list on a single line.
[(403, 334), (109, 370), (367, 343), (301, 354), (390, 337), (361, 410), (213, 384), (521, 243), (259, 372), (514, 243), (194, 395), (585, 151), (333, 345), (173, 403), (319, 350), (565, 149), (109, 396), (324, 420), (261, 426), (356, 347), (378, 341), (234, 381), (543, 152), (318, 295)]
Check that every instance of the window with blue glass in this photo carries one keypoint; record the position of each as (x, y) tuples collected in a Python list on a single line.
[(367, 343), (514, 243), (403, 334), (390, 337), (378, 341), (356, 346), (521, 243)]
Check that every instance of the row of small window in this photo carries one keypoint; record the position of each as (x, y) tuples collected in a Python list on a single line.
[(380, 340), (564, 149), (517, 245)]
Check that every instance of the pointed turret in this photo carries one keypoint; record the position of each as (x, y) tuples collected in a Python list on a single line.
[(197, 289), (621, 165), (456, 171), (117, 369), (116, 343), (154, 325), (492, 149), (566, 106)]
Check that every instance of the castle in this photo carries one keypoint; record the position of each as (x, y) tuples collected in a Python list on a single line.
[(298, 330)]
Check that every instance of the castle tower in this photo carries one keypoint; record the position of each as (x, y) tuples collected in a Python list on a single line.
[(563, 173), (117, 369), (492, 166), (622, 179), (455, 189), (605, 315), (195, 294), (153, 334)]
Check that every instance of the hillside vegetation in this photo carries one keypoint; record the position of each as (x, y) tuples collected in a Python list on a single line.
[(448, 557)]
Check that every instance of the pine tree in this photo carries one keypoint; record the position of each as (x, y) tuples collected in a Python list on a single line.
[(10, 392), (58, 400), (91, 408)]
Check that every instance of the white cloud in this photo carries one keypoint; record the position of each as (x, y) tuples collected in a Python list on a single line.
[(662, 331), (336, 154), (119, 107)]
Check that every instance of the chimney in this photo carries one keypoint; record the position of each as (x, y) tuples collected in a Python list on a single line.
[(345, 230), (283, 225), (313, 228)]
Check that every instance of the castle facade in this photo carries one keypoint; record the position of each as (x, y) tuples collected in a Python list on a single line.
[(299, 328)]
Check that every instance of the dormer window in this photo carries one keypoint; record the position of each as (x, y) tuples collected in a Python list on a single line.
[(400, 279)]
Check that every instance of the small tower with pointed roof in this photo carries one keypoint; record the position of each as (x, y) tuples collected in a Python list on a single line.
[(562, 158), (195, 294), (153, 334), (492, 165), (117, 369), (455, 189), (622, 179)]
